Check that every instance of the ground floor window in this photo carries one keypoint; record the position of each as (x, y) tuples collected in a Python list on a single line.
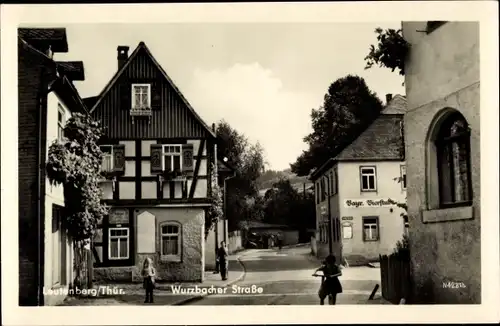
[(170, 242), (370, 228), (114, 240), (119, 243)]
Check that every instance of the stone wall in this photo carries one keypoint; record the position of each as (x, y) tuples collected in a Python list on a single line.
[(442, 74)]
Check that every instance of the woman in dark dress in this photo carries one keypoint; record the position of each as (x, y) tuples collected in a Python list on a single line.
[(223, 262)]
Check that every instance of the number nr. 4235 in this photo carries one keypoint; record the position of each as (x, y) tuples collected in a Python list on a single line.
[(454, 285)]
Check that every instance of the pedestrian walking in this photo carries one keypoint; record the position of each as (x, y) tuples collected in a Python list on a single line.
[(149, 274), (222, 255), (331, 285)]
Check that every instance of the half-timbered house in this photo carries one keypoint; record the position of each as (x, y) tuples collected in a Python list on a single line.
[(159, 156)]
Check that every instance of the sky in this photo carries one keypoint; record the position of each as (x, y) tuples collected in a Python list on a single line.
[(262, 78)]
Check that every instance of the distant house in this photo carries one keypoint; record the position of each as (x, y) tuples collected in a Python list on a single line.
[(160, 157), (47, 99), (442, 126), (357, 191)]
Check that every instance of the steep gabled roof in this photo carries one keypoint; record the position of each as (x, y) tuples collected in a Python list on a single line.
[(382, 140), (72, 69), (56, 37), (60, 83), (90, 101), (117, 75), (396, 106)]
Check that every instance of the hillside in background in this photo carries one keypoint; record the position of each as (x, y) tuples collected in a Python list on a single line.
[(270, 177)]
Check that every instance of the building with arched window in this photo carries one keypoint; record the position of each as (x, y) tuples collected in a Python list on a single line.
[(443, 160)]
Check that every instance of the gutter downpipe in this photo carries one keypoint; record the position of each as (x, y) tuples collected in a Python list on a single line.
[(40, 209)]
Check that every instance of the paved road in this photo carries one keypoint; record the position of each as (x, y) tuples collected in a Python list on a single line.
[(285, 279)]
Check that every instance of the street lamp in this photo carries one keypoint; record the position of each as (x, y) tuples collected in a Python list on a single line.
[(225, 159)]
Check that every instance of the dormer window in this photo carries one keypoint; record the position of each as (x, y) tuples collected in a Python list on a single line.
[(141, 97)]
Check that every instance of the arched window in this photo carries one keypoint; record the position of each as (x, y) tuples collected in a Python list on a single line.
[(170, 241), (453, 161)]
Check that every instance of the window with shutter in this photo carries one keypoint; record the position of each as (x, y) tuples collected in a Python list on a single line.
[(119, 158), (156, 158), (125, 102), (156, 96), (187, 158)]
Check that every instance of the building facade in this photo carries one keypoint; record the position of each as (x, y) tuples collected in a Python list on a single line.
[(443, 153), (47, 99), (159, 159), (359, 190)]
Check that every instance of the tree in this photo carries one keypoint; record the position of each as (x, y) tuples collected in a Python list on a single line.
[(390, 51), (75, 164), (285, 205), (248, 161), (349, 108)]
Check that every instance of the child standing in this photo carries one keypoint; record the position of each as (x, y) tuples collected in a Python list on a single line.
[(149, 274), (331, 285)]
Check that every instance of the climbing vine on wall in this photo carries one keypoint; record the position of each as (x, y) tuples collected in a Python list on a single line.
[(215, 211), (75, 163)]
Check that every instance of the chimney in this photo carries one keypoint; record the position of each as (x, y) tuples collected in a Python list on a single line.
[(388, 98), (122, 55)]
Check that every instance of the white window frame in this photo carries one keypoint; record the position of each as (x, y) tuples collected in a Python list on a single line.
[(403, 176), (371, 227), (112, 157), (120, 239), (368, 175), (134, 107), (179, 241), (164, 153), (60, 124)]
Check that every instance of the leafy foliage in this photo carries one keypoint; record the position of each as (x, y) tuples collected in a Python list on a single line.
[(215, 211), (285, 205), (75, 164), (402, 246), (248, 162), (390, 51), (349, 108)]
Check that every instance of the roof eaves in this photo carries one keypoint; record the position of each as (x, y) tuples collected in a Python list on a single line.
[(322, 168), (127, 63), (117, 75), (177, 90)]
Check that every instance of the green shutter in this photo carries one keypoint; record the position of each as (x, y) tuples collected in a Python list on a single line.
[(156, 158), (119, 158), (187, 158), (125, 90), (156, 98)]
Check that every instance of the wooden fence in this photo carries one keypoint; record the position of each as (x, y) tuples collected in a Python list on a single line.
[(395, 277)]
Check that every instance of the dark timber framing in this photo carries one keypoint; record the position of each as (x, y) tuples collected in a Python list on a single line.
[(197, 168)]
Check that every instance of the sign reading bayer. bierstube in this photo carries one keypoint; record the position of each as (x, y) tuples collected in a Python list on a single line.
[(364, 203)]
